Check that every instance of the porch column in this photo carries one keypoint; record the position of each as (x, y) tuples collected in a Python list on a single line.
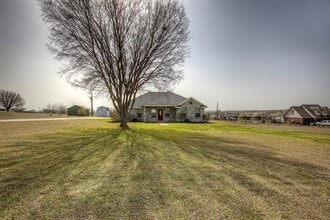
[(144, 114)]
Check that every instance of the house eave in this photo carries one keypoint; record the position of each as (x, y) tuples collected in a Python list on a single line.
[(158, 106)]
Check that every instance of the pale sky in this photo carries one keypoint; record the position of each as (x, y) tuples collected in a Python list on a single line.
[(245, 54)]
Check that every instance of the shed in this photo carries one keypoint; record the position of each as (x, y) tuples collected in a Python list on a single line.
[(103, 111), (78, 110)]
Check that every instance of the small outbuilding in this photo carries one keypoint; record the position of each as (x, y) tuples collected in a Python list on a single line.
[(78, 110), (103, 111)]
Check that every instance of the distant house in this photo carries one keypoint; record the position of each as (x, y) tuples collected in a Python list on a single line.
[(306, 114), (102, 111), (78, 110), (167, 107)]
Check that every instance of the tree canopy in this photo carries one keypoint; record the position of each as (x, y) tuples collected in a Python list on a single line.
[(9, 100), (119, 46)]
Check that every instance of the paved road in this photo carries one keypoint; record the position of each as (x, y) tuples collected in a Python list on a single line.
[(48, 119)]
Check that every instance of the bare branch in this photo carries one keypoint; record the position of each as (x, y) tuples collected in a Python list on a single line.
[(9, 100), (119, 46)]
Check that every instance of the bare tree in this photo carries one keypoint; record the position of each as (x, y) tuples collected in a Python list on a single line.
[(61, 109), (9, 99), (57, 108), (49, 108), (119, 46)]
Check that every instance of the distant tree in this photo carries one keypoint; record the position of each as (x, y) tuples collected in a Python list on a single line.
[(61, 109), (119, 46), (49, 108), (9, 100)]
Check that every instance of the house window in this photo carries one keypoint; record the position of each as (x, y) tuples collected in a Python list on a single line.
[(139, 115), (167, 115), (292, 112), (190, 103), (153, 111), (197, 115)]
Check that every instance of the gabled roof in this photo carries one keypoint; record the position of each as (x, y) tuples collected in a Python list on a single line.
[(300, 111), (155, 99), (158, 99), (103, 107), (79, 106), (310, 109)]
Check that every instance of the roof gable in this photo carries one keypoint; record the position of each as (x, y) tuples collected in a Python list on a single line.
[(300, 111), (193, 100)]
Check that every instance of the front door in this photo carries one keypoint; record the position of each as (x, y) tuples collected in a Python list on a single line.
[(160, 114)]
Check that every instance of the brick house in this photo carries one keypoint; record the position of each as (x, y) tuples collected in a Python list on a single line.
[(306, 114)]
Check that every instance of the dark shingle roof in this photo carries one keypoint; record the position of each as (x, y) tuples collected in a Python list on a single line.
[(302, 112), (79, 106), (308, 111), (158, 99), (311, 109)]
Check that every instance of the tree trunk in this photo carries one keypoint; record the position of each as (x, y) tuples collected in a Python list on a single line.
[(123, 118), (123, 123)]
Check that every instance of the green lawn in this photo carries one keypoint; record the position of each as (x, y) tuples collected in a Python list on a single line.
[(90, 169)]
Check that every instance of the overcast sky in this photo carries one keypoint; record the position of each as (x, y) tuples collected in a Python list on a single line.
[(245, 54)]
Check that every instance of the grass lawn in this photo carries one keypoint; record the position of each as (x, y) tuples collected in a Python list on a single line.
[(24, 115), (90, 169)]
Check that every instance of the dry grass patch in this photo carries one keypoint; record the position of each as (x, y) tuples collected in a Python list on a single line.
[(23, 115), (95, 170)]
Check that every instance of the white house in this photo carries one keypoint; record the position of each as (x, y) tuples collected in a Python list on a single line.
[(167, 107), (102, 111)]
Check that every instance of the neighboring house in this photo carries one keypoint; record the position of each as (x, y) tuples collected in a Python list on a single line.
[(306, 114), (167, 107), (78, 110), (103, 111)]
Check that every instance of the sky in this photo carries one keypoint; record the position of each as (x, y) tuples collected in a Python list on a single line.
[(245, 55)]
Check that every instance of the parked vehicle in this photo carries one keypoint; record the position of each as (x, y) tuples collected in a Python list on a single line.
[(323, 123)]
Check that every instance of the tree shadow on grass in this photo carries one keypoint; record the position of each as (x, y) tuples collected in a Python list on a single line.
[(256, 170), (31, 166), (141, 173)]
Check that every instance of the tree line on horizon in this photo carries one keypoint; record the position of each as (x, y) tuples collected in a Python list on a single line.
[(13, 101)]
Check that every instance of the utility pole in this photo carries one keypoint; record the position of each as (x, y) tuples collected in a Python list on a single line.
[(217, 111), (91, 104)]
